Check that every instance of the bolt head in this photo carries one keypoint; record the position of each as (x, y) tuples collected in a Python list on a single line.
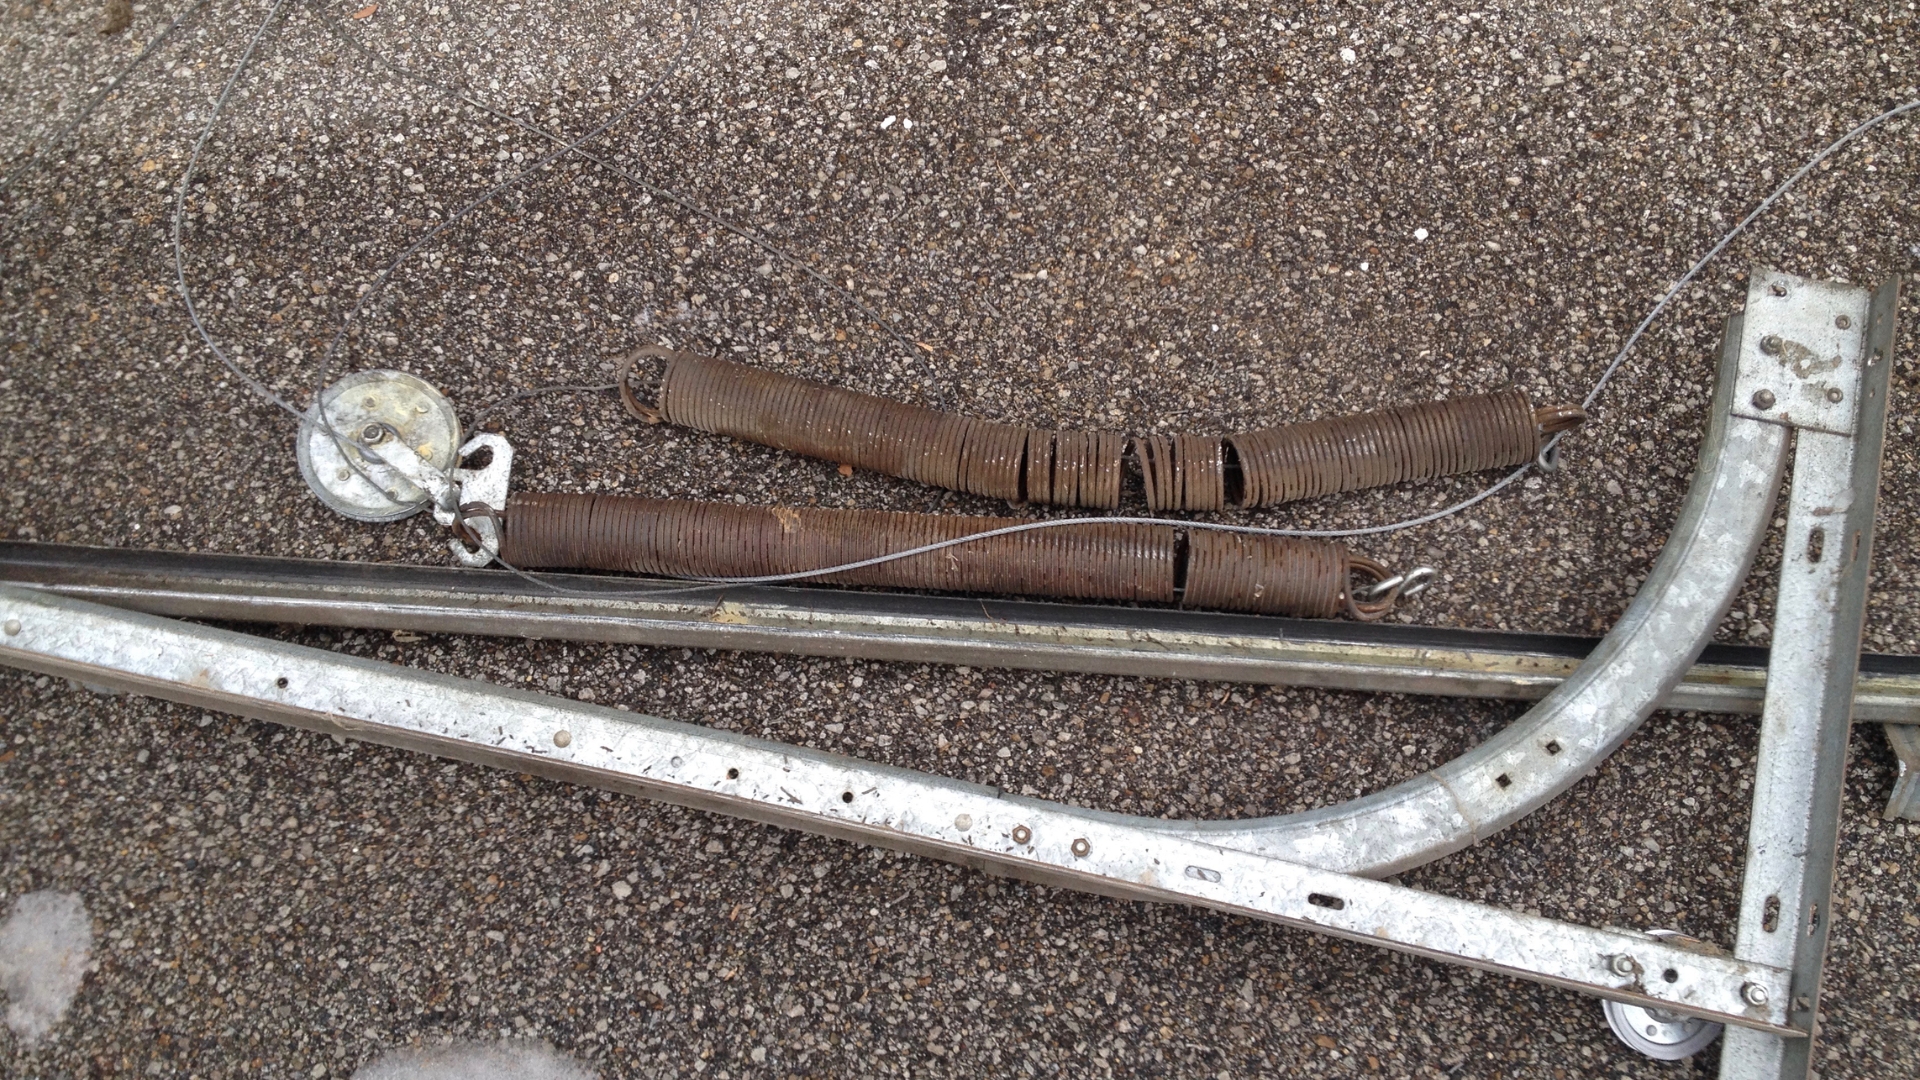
[(372, 433), (1836, 395), (1842, 322), (1754, 994), (1770, 344), (562, 738), (12, 627), (1763, 399), (1777, 288)]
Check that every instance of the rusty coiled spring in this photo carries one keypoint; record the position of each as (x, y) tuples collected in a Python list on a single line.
[(1149, 563), (1067, 468), (1019, 464)]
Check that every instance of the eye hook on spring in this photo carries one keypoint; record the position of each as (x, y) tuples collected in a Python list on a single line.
[(1368, 603), (1553, 421), (1401, 586), (623, 379)]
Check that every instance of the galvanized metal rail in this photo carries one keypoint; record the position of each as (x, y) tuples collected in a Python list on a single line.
[(1820, 354), (1309, 869), (1140, 642), (839, 796)]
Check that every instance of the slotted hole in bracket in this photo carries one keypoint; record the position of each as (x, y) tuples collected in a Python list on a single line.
[(1816, 544), (1770, 914), (846, 796), (1503, 780), (733, 774), (1323, 900), (1670, 975)]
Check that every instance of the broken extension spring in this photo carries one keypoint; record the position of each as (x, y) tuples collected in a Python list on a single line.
[(1151, 563), (1073, 468)]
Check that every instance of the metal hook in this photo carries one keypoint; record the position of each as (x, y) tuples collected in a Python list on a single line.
[(1401, 586), (1548, 459)]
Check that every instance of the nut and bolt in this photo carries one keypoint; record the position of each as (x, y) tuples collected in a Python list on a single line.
[(373, 433), (1081, 848), (1754, 994), (1836, 395), (1770, 344), (1842, 322), (1763, 399), (1622, 964), (1022, 834)]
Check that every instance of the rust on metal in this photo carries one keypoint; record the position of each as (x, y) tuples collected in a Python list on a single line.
[(1070, 468), (1160, 564), (1411, 442)]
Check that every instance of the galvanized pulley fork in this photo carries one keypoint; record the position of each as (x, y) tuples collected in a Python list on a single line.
[(1806, 357)]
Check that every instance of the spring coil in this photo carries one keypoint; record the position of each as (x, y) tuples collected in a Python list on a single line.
[(1412, 442), (1148, 563), (1004, 461), (1066, 468)]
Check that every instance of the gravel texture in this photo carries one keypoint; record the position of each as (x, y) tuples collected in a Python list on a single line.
[(1100, 215)]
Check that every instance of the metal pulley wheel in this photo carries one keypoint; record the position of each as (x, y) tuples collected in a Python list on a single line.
[(1657, 1033), (362, 411)]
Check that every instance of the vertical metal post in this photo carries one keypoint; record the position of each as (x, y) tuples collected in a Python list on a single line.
[(1816, 356)]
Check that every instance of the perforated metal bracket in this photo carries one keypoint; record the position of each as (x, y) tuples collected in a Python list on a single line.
[(481, 487), (1800, 771), (1801, 352)]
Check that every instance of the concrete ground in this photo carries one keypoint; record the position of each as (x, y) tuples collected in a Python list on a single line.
[(1200, 218)]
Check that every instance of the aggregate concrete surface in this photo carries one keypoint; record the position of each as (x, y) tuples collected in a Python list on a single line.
[(1200, 218)]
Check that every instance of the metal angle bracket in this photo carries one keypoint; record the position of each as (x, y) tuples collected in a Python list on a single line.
[(1830, 349), (1801, 354)]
